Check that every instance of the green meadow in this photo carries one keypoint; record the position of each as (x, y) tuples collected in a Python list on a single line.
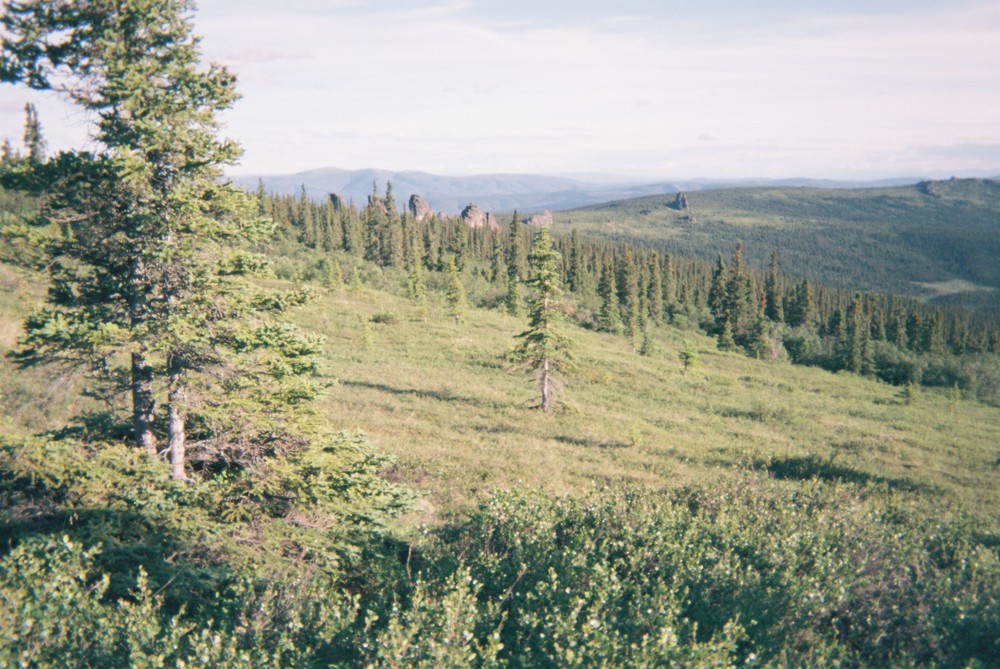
[(438, 396)]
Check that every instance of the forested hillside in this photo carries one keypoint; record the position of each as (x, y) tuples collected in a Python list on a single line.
[(938, 239), (242, 430), (623, 287), (686, 505)]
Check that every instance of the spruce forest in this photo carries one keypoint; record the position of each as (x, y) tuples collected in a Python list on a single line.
[(251, 429)]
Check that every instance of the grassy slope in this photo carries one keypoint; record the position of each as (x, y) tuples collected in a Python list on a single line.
[(436, 394), (943, 234)]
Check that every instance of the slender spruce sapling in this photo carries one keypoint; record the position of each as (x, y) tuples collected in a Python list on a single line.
[(455, 293), (544, 347)]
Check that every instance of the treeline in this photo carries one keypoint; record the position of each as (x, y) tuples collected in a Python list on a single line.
[(626, 287)]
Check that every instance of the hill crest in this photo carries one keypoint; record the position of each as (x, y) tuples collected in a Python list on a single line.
[(449, 194)]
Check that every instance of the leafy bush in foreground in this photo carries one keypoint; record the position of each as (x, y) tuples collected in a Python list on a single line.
[(749, 572)]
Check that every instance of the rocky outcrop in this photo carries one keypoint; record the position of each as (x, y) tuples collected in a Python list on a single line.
[(420, 208), (543, 219), (927, 188), (474, 217), (681, 202)]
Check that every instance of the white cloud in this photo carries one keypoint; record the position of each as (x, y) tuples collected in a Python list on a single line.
[(647, 87)]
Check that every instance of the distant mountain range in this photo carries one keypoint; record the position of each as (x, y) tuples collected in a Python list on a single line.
[(507, 192)]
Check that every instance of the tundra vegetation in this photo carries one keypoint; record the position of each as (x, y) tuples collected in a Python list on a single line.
[(789, 475)]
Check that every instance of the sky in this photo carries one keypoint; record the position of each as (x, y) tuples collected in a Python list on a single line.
[(653, 89)]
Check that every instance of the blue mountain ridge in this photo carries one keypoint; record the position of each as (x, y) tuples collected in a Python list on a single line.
[(506, 192)]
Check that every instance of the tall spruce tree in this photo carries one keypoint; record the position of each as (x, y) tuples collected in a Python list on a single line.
[(139, 261), (517, 249), (628, 292), (669, 280), (578, 279), (608, 318), (375, 221), (516, 263), (739, 301), (654, 290), (858, 336), (725, 339), (774, 309), (392, 237), (717, 294), (802, 307), (544, 348)]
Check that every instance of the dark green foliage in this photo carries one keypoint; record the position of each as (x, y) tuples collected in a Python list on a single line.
[(858, 335), (739, 305), (802, 306), (105, 559), (774, 309), (608, 319), (654, 290), (516, 266), (512, 301), (577, 275), (628, 295), (717, 293), (725, 339), (517, 249)]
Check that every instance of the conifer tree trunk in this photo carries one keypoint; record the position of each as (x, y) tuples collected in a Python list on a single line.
[(545, 382), (142, 404), (142, 370), (175, 420)]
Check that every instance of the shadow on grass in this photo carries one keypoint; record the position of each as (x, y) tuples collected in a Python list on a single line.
[(813, 467), (439, 395), (94, 426), (493, 429), (590, 443)]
